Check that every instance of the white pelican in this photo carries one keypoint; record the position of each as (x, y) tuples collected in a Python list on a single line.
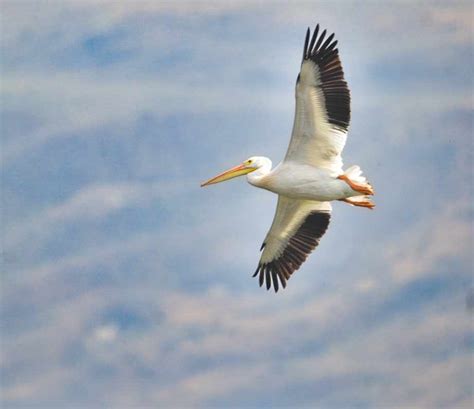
[(311, 175)]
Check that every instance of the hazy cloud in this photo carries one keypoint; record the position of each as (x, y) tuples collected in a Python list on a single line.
[(125, 284)]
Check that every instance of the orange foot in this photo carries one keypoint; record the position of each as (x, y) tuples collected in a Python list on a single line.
[(360, 203), (364, 188)]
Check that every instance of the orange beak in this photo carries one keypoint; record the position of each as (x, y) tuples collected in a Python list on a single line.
[(228, 174)]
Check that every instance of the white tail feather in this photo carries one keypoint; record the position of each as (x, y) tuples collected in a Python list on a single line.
[(361, 198), (354, 173)]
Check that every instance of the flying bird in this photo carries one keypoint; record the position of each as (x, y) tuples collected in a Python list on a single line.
[(311, 175)]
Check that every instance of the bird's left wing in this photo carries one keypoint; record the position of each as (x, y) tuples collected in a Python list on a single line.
[(296, 230), (322, 111)]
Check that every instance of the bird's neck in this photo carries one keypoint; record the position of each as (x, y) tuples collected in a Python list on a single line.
[(257, 177)]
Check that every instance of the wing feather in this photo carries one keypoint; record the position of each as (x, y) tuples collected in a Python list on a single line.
[(322, 113), (297, 227)]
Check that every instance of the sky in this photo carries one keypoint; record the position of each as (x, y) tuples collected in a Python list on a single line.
[(125, 284)]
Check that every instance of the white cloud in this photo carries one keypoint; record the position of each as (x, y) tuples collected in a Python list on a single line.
[(222, 344), (105, 334), (112, 251), (444, 236), (90, 203), (196, 390), (242, 336), (68, 103)]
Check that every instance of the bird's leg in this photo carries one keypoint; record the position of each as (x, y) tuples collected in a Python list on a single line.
[(361, 203), (363, 188)]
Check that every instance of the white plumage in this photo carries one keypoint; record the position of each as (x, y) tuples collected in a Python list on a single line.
[(311, 175), (314, 140)]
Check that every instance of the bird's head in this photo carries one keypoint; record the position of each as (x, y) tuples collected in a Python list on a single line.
[(249, 165)]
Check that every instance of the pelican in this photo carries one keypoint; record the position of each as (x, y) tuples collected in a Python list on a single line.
[(311, 175)]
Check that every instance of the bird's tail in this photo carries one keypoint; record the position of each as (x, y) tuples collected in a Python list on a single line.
[(354, 173), (354, 178)]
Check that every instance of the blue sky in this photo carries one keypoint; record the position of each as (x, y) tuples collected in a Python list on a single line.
[(125, 284)]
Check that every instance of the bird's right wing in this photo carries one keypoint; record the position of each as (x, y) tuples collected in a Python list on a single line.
[(297, 227), (322, 112)]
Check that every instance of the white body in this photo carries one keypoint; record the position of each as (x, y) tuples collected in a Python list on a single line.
[(300, 181)]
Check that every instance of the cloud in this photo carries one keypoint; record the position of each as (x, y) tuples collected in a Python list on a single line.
[(90, 203), (105, 333), (135, 288), (216, 347), (255, 337), (68, 101), (71, 105), (431, 242)]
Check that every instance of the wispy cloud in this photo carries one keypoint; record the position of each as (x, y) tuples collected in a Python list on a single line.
[(90, 203), (71, 105), (127, 285), (431, 242), (203, 344), (71, 101)]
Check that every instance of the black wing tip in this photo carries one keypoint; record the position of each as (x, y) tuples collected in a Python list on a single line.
[(306, 41), (270, 276), (315, 47), (277, 272), (268, 280), (323, 52), (256, 271)]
